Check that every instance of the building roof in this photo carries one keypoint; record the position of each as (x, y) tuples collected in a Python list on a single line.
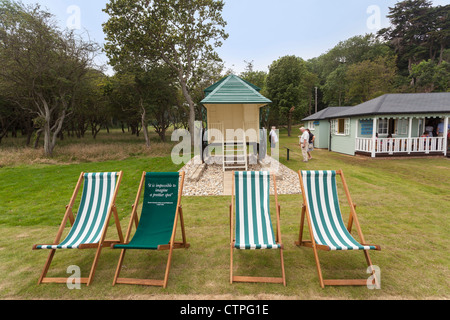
[(397, 103), (234, 90), (215, 85), (326, 113)]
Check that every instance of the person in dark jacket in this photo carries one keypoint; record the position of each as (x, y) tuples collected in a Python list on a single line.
[(312, 138)]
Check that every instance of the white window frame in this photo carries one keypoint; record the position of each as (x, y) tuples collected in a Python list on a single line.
[(347, 127), (383, 126), (335, 127), (311, 125)]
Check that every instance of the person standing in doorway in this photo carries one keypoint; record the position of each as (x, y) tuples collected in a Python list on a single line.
[(304, 143), (441, 128), (430, 130)]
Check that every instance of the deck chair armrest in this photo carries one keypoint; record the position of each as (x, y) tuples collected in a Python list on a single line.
[(377, 247), (35, 247)]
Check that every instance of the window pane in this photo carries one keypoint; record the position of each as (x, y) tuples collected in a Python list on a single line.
[(383, 125), (347, 127), (341, 128)]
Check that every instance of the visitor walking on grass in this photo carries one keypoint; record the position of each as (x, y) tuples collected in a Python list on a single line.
[(304, 143)]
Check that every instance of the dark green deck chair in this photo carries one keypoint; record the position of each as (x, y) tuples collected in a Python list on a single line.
[(156, 228)]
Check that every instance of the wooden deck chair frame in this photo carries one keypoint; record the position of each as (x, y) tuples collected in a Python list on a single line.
[(112, 210), (134, 219), (353, 219), (278, 240)]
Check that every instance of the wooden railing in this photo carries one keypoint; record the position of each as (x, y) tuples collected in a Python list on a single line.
[(401, 145)]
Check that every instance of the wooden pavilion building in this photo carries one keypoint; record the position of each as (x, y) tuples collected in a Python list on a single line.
[(233, 120)]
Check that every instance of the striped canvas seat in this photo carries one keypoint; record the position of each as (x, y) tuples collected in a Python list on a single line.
[(97, 197), (253, 223), (323, 203)]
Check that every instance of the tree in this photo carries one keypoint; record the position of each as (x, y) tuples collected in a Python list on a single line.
[(9, 116), (431, 77), (353, 50), (439, 18), (162, 100), (288, 85), (410, 29), (370, 79), (336, 86), (258, 78), (181, 33), (125, 101), (206, 76), (94, 104), (331, 67), (41, 65), (143, 96)]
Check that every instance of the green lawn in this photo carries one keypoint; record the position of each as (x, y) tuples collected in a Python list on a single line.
[(402, 205)]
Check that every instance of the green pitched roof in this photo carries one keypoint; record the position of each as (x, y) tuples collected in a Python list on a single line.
[(234, 90)]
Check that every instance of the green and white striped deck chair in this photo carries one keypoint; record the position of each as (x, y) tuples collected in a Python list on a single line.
[(90, 225), (251, 228), (325, 222), (157, 225)]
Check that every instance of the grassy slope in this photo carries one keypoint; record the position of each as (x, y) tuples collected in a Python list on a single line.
[(403, 206)]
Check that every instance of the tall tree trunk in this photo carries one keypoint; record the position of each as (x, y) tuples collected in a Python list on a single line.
[(51, 131), (47, 132), (189, 100), (144, 123), (38, 136)]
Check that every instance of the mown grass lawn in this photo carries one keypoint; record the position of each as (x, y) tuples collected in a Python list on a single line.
[(403, 205)]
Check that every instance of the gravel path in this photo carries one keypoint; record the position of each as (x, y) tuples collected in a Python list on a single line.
[(211, 182)]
